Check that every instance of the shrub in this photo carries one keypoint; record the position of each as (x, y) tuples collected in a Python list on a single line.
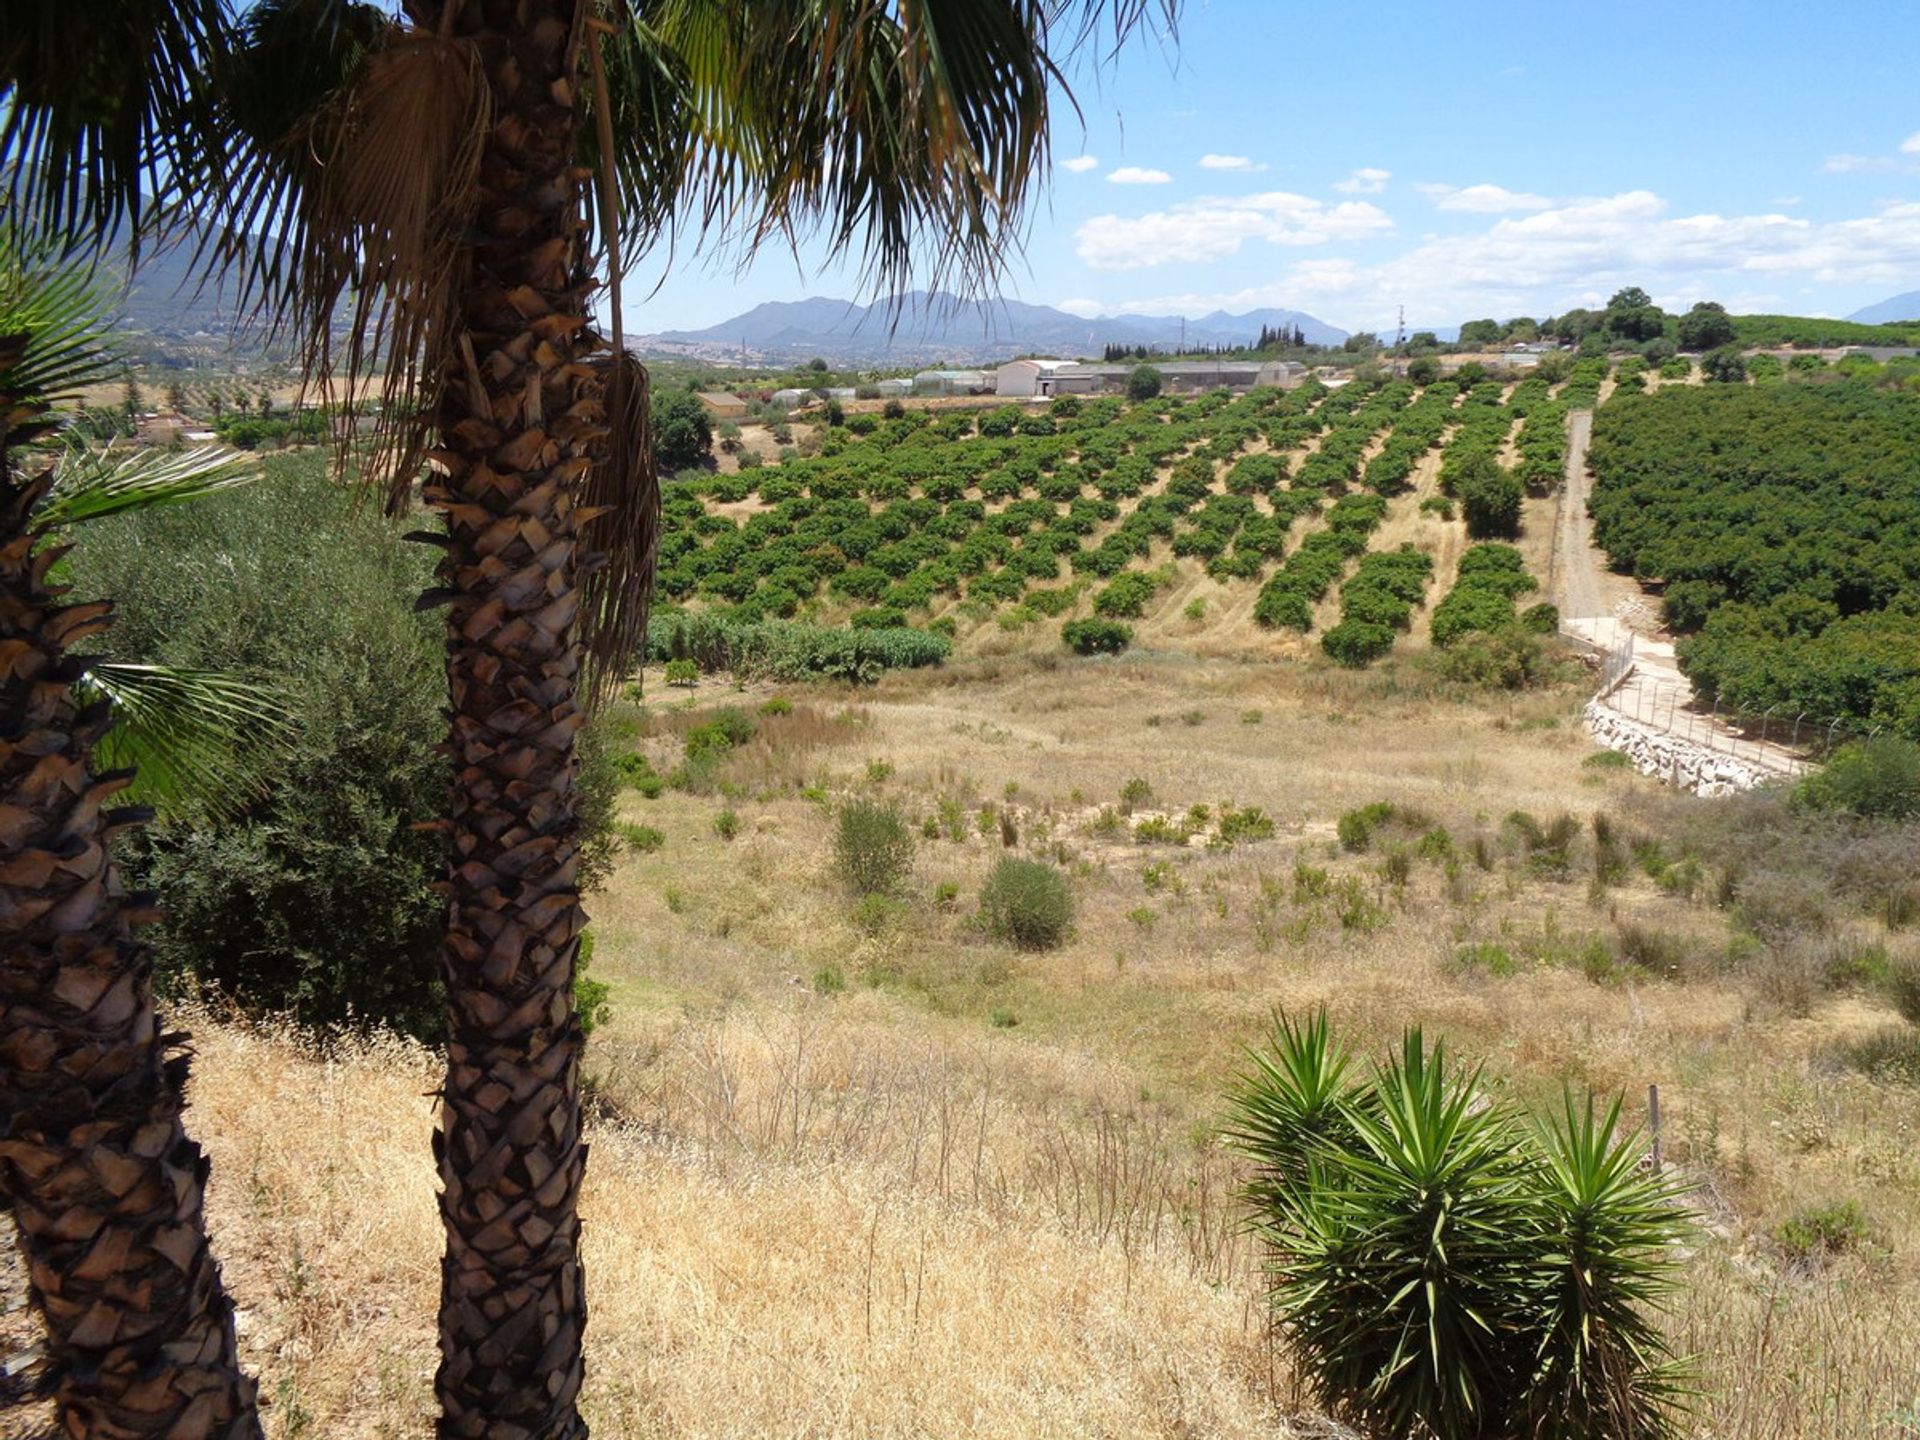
[(1096, 637), (644, 838), (1355, 828), (1878, 778), (726, 729), (1445, 1268), (726, 825), (873, 847), (318, 898), (1355, 643), (778, 705), (1026, 904), (1252, 823), (1143, 383), (876, 914), (683, 672), (1822, 1231)]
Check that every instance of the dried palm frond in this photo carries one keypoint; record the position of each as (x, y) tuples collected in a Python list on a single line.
[(373, 200), (621, 525)]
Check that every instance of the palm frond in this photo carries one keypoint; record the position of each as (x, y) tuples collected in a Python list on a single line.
[(367, 200), (620, 510), (52, 320), (201, 742), (91, 483), (105, 108)]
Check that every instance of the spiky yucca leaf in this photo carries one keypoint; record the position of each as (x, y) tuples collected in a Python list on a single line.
[(1409, 1301), (90, 484), (202, 742), (1603, 1368), (1293, 1103)]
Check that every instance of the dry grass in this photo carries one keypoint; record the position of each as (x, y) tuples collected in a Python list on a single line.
[(910, 1183)]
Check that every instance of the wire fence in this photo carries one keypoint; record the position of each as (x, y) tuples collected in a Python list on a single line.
[(1783, 738)]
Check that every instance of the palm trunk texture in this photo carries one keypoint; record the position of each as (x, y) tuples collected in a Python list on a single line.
[(107, 1190), (522, 416)]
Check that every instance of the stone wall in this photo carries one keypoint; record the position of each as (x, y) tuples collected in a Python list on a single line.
[(1667, 757)]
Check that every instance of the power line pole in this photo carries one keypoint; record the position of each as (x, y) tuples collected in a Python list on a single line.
[(1401, 338)]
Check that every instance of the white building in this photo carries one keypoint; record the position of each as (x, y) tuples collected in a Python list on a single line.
[(1023, 379)]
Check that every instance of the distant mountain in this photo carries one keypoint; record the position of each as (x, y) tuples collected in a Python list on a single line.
[(937, 326), (1890, 312)]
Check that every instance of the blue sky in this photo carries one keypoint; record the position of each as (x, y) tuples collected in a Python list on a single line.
[(1460, 161)]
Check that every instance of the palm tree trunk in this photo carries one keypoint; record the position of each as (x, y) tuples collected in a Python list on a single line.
[(522, 414), (106, 1188)]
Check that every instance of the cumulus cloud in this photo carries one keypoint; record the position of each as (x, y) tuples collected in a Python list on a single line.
[(1483, 199), (1216, 226), (1367, 180), (1228, 162), (1580, 252), (1080, 164), (1911, 145), (1135, 175)]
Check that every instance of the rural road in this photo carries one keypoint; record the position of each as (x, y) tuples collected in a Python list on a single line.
[(1575, 580)]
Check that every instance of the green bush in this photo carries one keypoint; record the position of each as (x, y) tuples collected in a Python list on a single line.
[(318, 897), (683, 672), (786, 650), (725, 729), (1445, 1268), (1822, 1231), (1355, 643), (1027, 904), (1096, 637), (1878, 778), (873, 847)]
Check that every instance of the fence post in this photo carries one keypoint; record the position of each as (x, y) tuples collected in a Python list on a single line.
[(1653, 1123)]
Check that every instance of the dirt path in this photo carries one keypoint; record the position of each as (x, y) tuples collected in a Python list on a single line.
[(1613, 614), (1573, 577)]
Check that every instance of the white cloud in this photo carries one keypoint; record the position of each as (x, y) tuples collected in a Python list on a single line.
[(1080, 164), (1578, 253), (1228, 162), (1134, 175), (1846, 164), (1911, 145), (1214, 227), (1367, 180), (1483, 199)]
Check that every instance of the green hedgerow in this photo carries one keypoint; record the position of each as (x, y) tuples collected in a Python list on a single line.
[(1027, 904)]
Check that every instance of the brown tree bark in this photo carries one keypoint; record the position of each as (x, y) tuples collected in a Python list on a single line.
[(521, 418), (106, 1188)]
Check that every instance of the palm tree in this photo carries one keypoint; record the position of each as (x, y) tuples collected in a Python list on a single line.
[(441, 193), (106, 1187)]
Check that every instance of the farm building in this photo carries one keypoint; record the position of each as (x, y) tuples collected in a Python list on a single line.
[(894, 388), (1022, 379), (952, 382), (722, 404), (1070, 377), (791, 399)]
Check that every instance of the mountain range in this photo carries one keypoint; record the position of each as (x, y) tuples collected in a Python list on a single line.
[(1890, 311), (929, 326)]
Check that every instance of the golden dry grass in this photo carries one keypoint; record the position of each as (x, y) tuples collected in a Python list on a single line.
[(896, 1180)]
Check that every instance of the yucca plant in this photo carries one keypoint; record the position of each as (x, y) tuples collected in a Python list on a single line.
[(1603, 1370), (1444, 1269)]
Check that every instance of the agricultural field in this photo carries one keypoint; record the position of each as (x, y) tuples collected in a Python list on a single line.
[(1782, 524), (1251, 525), (863, 1162)]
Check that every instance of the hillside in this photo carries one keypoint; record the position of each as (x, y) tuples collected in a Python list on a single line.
[(931, 326), (1892, 311)]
